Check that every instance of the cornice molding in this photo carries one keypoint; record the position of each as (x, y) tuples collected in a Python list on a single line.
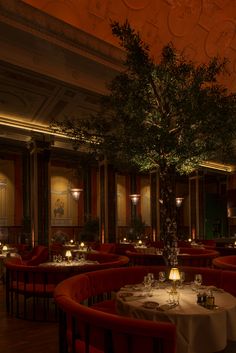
[(29, 19)]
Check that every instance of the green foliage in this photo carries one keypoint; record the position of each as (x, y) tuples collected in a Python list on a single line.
[(171, 115)]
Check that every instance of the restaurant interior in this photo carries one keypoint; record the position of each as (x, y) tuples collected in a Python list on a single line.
[(83, 265)]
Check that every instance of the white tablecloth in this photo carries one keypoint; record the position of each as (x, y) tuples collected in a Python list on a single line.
[(68, 264), (199, 330), (146, 250)]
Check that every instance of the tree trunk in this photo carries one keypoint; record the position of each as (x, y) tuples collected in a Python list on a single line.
[(168, 213)]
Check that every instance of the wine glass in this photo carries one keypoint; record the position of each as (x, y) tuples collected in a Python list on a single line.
[(150, 277), (198, 280), (147, 285), (162, 276), (182, 278)]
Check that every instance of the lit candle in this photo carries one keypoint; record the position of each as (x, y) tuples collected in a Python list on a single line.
[(189, 239), (140, 242), (71, 241)]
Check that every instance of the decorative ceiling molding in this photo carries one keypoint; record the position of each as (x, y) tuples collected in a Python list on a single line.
[(27, 18)]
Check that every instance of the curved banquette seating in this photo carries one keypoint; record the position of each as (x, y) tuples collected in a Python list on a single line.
[(29, 289), (187, 257), (225, 262), (197, 257), (226, 251), (140, 259), (92, 328), (89, 321), (36, 256)]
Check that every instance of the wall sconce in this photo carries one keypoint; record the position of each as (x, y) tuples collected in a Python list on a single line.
[(3, 183), (231, 212), (179, 201), (75, 192), (134, 198)]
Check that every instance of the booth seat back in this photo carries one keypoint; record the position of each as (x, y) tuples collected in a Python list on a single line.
[(225, 262), (228, 281), (38, 282), (139, 259), (197, 257), (85, 329), (122, 248), (107, 247), (107, 257), (38, 255)]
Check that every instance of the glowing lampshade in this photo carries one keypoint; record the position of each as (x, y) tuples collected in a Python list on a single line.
[(68, 254), (75, 192), (134, 198), (179, 201), (174, 274)]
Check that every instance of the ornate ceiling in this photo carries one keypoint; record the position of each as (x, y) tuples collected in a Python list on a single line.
[(198, 28), (57, 57)]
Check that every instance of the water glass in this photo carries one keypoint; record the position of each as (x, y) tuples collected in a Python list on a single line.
[(162, 276), (198, 280), (147, 285), (150, 277)]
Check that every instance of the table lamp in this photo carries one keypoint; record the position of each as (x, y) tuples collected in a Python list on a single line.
[(68, 255), (174, 276)]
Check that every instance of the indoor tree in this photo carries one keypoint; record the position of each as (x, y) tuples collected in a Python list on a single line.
[(169, 115)]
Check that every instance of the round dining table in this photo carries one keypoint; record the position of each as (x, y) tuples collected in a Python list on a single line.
[(199, 329), (65, 263)]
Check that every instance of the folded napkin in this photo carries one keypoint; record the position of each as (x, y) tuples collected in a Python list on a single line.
[(166, 307), (215, 289)]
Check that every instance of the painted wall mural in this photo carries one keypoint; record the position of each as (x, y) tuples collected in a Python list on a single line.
[(7, 194), (64, 209)]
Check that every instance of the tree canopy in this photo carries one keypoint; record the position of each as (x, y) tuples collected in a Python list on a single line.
[(170, 113)]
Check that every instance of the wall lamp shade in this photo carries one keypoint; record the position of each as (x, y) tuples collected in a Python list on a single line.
[(75, 192), (179, 201), (231, 211), (134, 198), (3, 183)]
